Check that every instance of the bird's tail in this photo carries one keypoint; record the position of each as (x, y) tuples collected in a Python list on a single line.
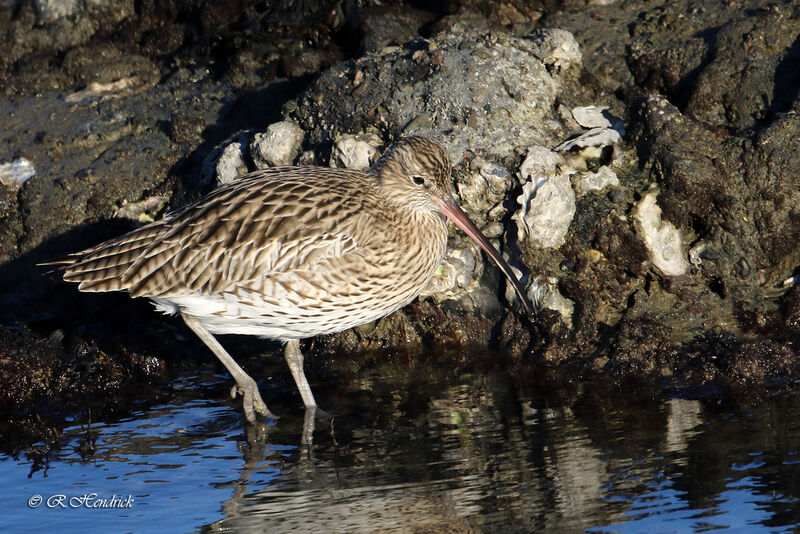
[(102, 267)]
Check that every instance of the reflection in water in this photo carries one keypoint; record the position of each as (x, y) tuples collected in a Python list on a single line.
[(428, 443)]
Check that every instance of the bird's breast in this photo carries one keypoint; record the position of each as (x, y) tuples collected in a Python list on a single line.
[(412, 252)]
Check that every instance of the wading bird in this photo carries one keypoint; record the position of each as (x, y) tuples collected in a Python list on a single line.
[(288, 253)]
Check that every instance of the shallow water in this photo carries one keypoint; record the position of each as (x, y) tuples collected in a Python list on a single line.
[(432, 443)]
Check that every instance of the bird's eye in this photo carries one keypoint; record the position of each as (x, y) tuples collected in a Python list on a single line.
[(419, 180)]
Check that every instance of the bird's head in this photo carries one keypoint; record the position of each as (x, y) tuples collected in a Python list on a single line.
[(415, 173)]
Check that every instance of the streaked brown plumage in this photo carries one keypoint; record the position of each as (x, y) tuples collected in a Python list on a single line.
[(291, 252)]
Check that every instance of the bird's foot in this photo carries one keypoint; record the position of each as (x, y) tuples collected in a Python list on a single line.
[(251, 399)]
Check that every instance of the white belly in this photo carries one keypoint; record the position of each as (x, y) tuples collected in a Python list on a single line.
[(226, 316)]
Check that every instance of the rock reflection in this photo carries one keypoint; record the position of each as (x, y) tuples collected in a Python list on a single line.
[(684, 415), (481, 448)]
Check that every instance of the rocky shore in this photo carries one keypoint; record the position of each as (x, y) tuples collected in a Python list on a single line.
[(635, 161)]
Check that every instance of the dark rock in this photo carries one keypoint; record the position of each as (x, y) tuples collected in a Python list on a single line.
[(42, 372), (380, 25), (790, 308), (759, 363), (105, 64), (186, 129), (752, 73), (641, 348), (163, 40), (217, 14), (11, 229), (514, 337)]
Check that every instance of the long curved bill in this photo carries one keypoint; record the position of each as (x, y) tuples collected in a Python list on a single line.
[(452, 211)]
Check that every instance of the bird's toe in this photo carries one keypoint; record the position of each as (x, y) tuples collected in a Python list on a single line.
[(251, 401), (259, 405), (249, 413)]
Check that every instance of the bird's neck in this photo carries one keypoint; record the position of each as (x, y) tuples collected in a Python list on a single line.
[(384, 190)]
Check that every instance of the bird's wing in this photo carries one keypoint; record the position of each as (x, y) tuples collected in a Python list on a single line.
[(272, 221)]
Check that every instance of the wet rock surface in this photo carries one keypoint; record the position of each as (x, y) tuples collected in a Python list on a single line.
[(669, 245)]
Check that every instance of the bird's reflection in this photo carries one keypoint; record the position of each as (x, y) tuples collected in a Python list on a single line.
[(467, 448)]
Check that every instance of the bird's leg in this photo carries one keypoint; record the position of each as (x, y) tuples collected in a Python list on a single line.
[(309, 419), (295, 360), (245, 385)]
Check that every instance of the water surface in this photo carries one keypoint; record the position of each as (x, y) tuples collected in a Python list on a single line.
[(422, 443)]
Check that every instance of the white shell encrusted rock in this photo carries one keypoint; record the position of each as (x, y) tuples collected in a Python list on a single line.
[(16, 173), (543, 292), (460, 271), (231, 164), (557, 49), (279, 145), (591, 116), (357, 152), (663, 241), (547, 202), (52, 10), (595, 181), (593, 147), (143, 211), (482, 193)]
